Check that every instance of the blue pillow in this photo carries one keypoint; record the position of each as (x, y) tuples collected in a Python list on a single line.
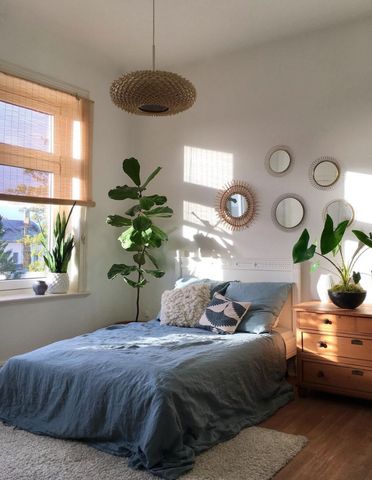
[(266, 298)]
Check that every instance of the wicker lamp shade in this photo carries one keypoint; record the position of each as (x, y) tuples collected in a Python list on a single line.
[(153, 92)]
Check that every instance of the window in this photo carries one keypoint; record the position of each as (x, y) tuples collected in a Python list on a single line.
[(44, 167), (21, 229)]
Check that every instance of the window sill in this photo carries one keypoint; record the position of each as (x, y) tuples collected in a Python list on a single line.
[(31, 297)]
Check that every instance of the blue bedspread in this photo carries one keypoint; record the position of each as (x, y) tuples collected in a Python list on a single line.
[(157, 394)]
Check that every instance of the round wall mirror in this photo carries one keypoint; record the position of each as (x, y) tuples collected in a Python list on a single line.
[(339, 210), (288, 212), (324, 172), (236, 205), (279, 160)]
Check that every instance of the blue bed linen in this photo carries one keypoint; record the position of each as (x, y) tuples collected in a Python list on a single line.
[(155, 393)]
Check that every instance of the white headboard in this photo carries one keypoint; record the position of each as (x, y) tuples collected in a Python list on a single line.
[(247, 270)]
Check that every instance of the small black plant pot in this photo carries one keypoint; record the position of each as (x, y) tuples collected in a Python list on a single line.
[(347, 299)]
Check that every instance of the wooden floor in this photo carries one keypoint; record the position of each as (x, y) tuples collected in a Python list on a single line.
[(339, 430)]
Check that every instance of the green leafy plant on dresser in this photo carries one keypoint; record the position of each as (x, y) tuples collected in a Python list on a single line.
[(140, 235), (331, 249)]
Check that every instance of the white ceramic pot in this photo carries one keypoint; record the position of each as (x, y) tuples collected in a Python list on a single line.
[(58, 282)]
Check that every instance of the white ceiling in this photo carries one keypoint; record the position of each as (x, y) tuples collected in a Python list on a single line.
[(187, 30)]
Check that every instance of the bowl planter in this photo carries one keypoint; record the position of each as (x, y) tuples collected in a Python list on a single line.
[(58, 282), (347, 300)]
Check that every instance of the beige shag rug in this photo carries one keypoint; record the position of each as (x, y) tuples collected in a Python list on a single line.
[(255, 454)]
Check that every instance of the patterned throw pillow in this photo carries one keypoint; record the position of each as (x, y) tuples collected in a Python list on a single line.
[(223, 315), (184, 306)]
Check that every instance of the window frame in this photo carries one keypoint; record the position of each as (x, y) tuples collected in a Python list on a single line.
[(78, 282), (78, 262)]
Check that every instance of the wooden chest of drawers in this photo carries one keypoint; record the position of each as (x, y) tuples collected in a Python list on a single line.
[(334, 349)]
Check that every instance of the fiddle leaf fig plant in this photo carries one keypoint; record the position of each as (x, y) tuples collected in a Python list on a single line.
[(331, 249), (140, 235)]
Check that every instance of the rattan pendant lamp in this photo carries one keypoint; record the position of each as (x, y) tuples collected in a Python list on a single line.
[(153, 92)]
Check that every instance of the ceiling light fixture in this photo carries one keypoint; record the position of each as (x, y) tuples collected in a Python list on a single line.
[(153, 92)]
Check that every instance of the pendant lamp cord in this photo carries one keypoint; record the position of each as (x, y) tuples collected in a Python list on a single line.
[(153, 35)]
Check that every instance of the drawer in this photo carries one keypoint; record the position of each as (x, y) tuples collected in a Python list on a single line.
[(333, 323), (332, 345), (347, 378), (326, 322)]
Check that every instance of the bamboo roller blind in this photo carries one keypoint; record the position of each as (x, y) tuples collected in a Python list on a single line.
[(45, 144)]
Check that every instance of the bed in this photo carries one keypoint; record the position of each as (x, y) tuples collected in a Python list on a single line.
[(156, 394)]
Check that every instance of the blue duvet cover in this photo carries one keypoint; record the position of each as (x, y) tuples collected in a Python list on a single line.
[(157, 394)]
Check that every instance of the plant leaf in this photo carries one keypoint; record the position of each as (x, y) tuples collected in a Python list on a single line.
[(363, 237), (123, 192), (152, 259), (118, 221), (150, 177), (356, 277), (135, 284), (157, 199), (139, 258), (155, 273), (301, 252), (314, 267), (330, 238), (146, 203), (120, 269), (164, 212), (132, 168), (142, 223), (159, 233), (132, 211), (125, 238)]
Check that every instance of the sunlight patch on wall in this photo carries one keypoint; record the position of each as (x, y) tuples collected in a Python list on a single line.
[(209, 269), (358, 192), (208, 168)]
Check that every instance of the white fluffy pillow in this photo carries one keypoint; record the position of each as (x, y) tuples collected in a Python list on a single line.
[(183, 307)]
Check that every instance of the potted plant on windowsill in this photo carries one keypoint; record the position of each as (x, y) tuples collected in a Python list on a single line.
[(347, 293), (58, 258)]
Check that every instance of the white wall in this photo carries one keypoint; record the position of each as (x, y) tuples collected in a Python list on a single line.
[(28, 325), (312, 93)]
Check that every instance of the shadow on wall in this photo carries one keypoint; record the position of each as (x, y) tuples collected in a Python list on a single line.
[(202, 232)]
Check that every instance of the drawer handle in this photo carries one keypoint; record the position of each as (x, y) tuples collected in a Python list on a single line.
[(360, 373), (322, 345), (321, 374), (355, 341), (327, 321)]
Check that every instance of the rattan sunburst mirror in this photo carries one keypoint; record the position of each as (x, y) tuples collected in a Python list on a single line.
[(236, 205)]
